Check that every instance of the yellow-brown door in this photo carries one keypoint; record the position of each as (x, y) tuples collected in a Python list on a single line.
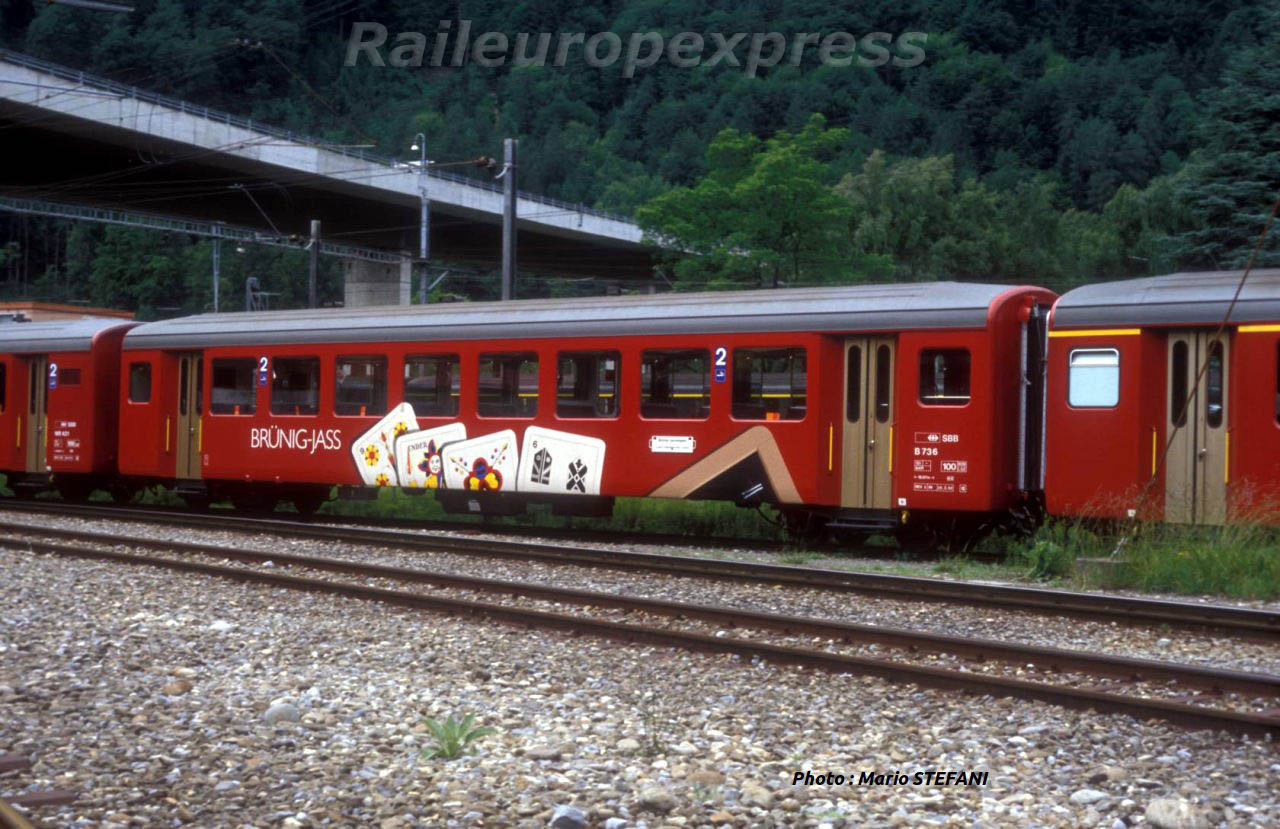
[(190, 400), (1196, 468), (37, 412), (866, 466)]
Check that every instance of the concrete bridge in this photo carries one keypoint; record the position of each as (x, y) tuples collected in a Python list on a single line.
[(76, 138)]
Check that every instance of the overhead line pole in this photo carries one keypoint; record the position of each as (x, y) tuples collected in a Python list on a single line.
[(509, 218), (217, 265), (424, 219), (314, 251)]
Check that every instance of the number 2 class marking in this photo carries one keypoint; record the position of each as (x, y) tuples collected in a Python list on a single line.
[(722, 356)]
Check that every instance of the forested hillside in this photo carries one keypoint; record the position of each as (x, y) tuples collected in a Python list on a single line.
[(1036, 141)]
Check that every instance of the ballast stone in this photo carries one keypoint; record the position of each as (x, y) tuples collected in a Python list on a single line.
[(568, 817), (1175, 813), (282, 712), (655, 799), (1085, 797)]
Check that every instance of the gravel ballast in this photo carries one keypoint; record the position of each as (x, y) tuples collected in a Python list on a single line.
[(170, 698), (1153, 642)]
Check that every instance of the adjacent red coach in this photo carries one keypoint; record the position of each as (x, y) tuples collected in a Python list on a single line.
[(1134, 362), (58, 389), (854, 406)]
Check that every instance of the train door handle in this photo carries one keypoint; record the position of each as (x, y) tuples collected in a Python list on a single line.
[(871, 444), (1202, 453)]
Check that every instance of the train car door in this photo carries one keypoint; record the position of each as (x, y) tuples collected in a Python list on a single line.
[(190, 400), (40, 376), (868, 423), (1196, 466)]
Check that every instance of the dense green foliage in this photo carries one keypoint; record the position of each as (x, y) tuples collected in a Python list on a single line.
[(1035, 142)]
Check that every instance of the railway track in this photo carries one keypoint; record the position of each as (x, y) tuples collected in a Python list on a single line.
[(793, 640), (11, 818), (1238, 621)]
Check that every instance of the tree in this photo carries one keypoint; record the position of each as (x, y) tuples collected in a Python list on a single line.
[(762, 210), (1233, 183)]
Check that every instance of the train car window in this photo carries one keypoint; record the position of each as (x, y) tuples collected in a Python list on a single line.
[(139, 382), (432, 384), (1178, 384), (69, 377), (1093, 378), (853, 384), (944, 376), (1213, 386), (884, 383), (295, 385), (361, 386), (675, 384), (587, 384), (508, 385), (234, 392), (769, 384)]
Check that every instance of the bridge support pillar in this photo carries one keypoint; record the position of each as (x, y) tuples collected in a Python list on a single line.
[(373, 283)]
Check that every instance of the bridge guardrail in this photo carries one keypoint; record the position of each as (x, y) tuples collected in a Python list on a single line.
[(99, 82)]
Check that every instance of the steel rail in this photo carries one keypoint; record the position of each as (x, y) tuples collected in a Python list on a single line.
[(10, 818), (1179, 614), (1188, 716), (1220, 680)]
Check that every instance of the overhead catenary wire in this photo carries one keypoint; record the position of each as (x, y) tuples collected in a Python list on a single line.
[(1181, 418)]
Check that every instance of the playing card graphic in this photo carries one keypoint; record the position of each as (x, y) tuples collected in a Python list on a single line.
[(560, 462), (420, 458), (484, 464), (373, 451), (541, 472)]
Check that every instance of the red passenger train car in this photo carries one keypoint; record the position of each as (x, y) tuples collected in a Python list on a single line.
[(58, 411), (1156, 410), (857, 407)]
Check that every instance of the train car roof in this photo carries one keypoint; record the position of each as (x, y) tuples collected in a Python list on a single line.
[(835, 308), (56, 335), (1173, 299)]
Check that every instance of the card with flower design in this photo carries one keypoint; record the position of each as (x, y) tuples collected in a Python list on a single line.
[(374, 450), (419, 455), (484, 464)]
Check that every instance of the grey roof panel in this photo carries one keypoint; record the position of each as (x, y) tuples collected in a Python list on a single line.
[(58, 335), (1173, 299), (836, 308)]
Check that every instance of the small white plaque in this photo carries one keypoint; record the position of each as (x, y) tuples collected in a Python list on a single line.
[(672, 444)]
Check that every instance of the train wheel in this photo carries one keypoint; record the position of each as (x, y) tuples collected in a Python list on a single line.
[(121, 492), (917, 536), (308, 503), (805, 527), (77, 491), (848, 538), (198, 503), (254, 501)]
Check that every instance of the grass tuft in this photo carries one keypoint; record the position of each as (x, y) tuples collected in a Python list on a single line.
[(1240, 560), (453, 737)]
